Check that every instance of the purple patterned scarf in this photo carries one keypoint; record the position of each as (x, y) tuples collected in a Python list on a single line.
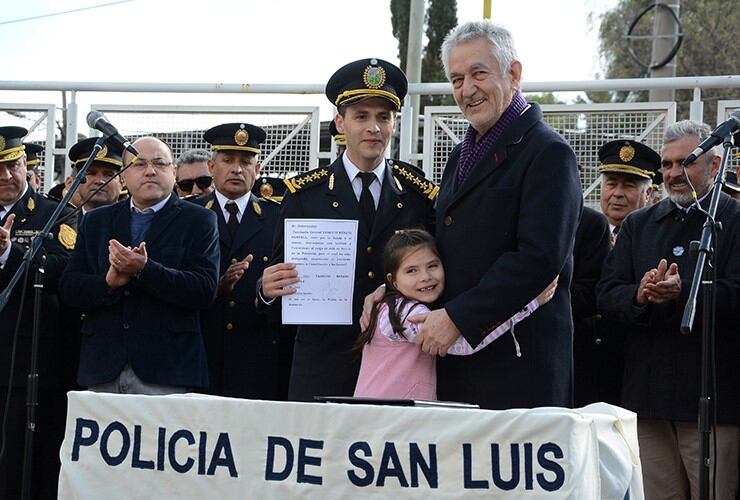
[(473, 151)]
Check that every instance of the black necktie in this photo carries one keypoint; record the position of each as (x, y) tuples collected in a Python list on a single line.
[(233, 222), (367, 205)]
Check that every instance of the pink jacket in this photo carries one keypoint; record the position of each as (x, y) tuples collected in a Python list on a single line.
[(395, 367)]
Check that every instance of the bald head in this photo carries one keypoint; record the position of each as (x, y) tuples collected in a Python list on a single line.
[(151, 177)]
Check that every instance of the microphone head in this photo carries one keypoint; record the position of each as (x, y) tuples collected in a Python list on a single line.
[(93, 117)]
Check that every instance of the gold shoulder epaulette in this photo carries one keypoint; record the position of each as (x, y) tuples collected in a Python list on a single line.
[(410, 177), (311, 178)]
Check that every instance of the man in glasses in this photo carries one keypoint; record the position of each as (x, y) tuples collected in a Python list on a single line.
[(193, 177), (243, 347), (104, 169), (143, 268)]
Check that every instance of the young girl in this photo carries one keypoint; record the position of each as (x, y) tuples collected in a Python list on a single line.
[(393, 366)]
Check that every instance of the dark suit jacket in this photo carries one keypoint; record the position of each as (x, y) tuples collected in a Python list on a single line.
[(244, 347), (153, 322), (504, 235), (662, 367), (323, 361)]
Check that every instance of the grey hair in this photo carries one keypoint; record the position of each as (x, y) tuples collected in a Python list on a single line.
[(499, 37), (193, 156), (685, 128)]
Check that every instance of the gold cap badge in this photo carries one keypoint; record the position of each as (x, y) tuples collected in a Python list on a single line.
[(266, 190), (102, 153), (241, 137), (626, 153)]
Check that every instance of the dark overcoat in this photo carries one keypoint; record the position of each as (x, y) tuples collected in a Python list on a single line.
[(504, 235), (662, 366), (153, 322), (323, 360)]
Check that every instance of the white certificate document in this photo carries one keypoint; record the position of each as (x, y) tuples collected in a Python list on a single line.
[(323, 251)]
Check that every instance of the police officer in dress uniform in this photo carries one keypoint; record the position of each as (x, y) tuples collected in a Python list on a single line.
[(243, 347), (383, 195), (23, 213), (628, 170), (105, 166)]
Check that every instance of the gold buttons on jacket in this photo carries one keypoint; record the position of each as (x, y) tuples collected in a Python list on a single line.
[(449, 220), (234, 261), (265, 258), (371, 275), (335, 204), (370, 249), (229, 326), (232, 304), (399, 204)]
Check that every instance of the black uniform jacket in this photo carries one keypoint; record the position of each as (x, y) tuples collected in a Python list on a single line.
[(662, 366), (32, 211), (504, 234), (153, 322), (243, 346), (323, 361)]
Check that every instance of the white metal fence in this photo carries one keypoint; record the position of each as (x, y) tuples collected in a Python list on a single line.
[(292, 143), (585, 126)]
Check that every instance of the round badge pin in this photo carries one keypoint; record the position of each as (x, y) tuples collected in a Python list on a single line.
[(678, 251)]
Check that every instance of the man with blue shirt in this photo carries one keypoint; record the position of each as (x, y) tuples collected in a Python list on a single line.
[(141, 271)]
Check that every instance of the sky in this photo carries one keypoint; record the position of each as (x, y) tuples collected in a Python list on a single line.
[(250, 41)]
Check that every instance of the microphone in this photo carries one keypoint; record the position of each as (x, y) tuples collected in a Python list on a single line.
[(728, 127), (96, 120)]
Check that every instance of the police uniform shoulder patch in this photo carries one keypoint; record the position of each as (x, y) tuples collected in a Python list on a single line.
[(67, 236), (308, 179), (409, 176)]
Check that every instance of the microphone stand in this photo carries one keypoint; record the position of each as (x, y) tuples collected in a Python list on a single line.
[(705, 276), (33, 377)]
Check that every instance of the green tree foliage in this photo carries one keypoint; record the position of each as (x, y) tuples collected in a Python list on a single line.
[(709, 48), (441, 17)]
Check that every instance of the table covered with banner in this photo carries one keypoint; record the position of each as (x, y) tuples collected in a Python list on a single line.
[(195, 446)]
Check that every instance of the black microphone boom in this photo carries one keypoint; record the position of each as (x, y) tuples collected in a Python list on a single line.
[(96, 120), (725, 129)]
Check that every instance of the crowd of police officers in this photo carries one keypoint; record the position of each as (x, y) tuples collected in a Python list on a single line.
[(248, 350)]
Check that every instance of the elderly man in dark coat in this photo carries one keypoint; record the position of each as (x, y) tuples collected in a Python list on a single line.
[(507, 213)]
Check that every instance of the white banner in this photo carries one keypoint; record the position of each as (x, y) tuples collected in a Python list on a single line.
[(195, 447)]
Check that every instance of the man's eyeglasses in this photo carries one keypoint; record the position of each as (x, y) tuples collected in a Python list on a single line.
[(157, 163), (203, 182)]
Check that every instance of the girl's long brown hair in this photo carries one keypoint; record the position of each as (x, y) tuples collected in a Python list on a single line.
[(395, 250)]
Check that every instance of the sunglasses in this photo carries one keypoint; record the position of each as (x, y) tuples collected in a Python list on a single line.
[(203, 182)]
